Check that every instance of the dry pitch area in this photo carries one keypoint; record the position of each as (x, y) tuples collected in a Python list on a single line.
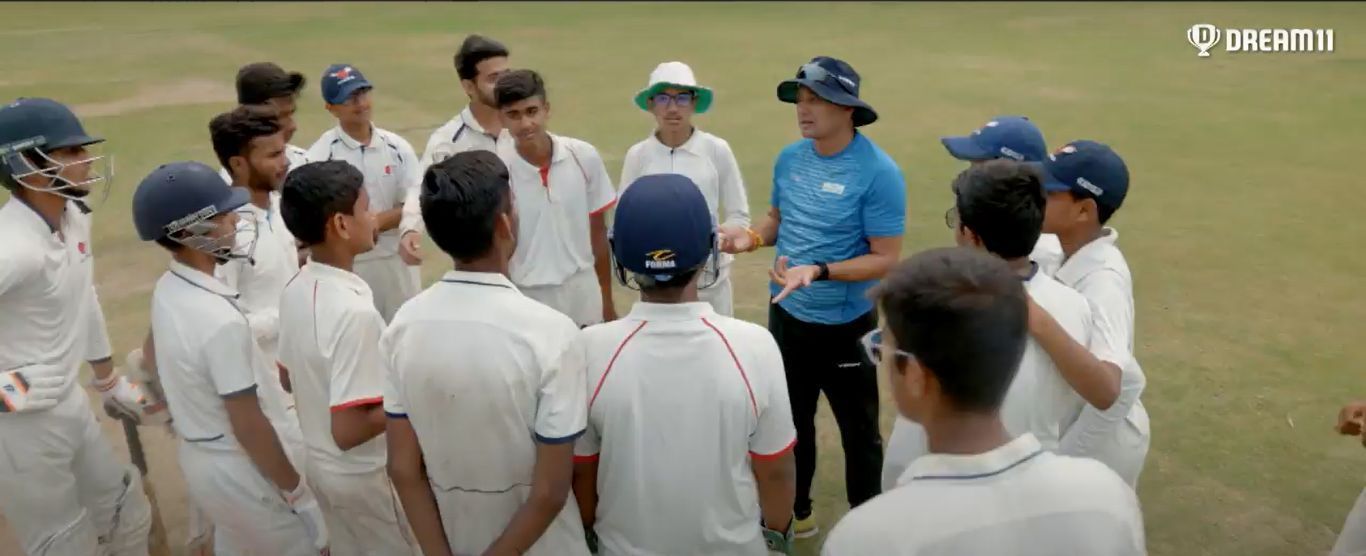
[(1243, 226)]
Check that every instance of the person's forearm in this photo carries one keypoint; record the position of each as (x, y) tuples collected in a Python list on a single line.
[(530, 521), (602, 260), (586, 491), (767, 227), (354, 426), (389, 219), (411, 220), (872, 266), (777, 485), (419, 505), (102, 369), (1098, 382), (257, 437)]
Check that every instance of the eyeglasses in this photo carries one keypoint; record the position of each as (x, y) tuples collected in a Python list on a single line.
[(815, 72), (952, 219), (872, 347), (680, 99)]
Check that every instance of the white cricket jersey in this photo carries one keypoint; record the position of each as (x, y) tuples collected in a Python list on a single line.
[(1099, 271), (553, 206), (50, 317), (705, 159), (461, 134), (329, 342), (273, 263), (1015, 499), (1040, 400), (681, 399), (391, 170), (205, 352), (484, 373), (297, 157)]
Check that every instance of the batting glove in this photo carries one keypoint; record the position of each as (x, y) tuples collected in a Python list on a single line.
[(21, 392), (123, 399), (305, 505), (135, 368), (779, 541)]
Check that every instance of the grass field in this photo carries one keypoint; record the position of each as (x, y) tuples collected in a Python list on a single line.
[(1243, 226)]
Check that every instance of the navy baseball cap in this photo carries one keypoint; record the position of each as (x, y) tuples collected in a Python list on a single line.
[(833, 80), (340, 81), (662, 227), (1090, 169), (1011, 137)]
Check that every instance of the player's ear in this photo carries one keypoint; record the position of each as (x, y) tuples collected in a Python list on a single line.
[(470, 87), (1087, 210), (340, 225), (238, 165)]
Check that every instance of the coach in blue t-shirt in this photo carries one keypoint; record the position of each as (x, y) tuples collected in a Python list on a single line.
[(837, 216)]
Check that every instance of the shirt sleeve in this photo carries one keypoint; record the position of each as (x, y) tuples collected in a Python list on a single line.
[(394, 404), (97, 346), (1111, 295), (777, 171), (229, 357), (589, 444), (734, 199), (411, 219), (562, 401), (601, 195), (13, 271), (774, 433), (630, 168), (433, 141), (357, 369), (884, 208)]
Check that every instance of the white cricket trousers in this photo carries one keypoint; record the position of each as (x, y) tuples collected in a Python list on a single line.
[(364, 516), (62, 488), (249, 514), (473, 520), (391, 280), (579, 297), (1352, 539)]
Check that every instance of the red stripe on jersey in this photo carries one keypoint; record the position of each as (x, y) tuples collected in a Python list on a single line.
[(356, 403), (612, 362), (774, 455), (586, 459), (752, 402), (604, 208)]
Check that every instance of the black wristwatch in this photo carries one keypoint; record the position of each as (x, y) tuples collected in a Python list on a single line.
[(824, 274)]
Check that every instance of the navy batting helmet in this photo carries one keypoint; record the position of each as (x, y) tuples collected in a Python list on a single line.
[(178, 200), (30, 129)]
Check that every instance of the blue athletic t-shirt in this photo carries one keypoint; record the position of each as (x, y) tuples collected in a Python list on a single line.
[(829, 207)]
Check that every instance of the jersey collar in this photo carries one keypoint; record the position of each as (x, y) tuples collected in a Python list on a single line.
[(671, 311), (491, 280), (202, 281), (689, 146), (1090, 257), (326, 272), (467, 117), (947, 467), (350, 142)]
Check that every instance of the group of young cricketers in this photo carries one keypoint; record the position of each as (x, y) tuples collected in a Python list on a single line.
[(324, 401)]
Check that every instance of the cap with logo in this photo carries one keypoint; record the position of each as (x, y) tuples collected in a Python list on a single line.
[(833, 80), (662, 227), (1010, 137), (340, 81), (1090, 169)]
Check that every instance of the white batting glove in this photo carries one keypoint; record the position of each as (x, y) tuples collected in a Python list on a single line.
[(305, 505), (125, 399), (22, 392)]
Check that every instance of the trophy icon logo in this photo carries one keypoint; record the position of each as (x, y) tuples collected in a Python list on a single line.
[(1203, 37)]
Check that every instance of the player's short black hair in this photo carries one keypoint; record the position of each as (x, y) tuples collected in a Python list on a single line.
[(461, 199), (518, 85), (259, 82), (962, 314), (678, 281), (475, 49), (1103, 212), (233, 131), (1003, 202), (315, 192)]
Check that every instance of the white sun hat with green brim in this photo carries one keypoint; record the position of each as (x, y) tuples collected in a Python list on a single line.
[(674, 75)]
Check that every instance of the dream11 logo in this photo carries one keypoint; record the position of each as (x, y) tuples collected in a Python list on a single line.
[(1204, 36)]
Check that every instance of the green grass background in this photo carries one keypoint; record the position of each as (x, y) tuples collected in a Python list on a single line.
[(1243, 225)]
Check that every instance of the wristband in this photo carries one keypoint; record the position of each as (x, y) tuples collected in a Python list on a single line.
[(824, 272), (755, 238)]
